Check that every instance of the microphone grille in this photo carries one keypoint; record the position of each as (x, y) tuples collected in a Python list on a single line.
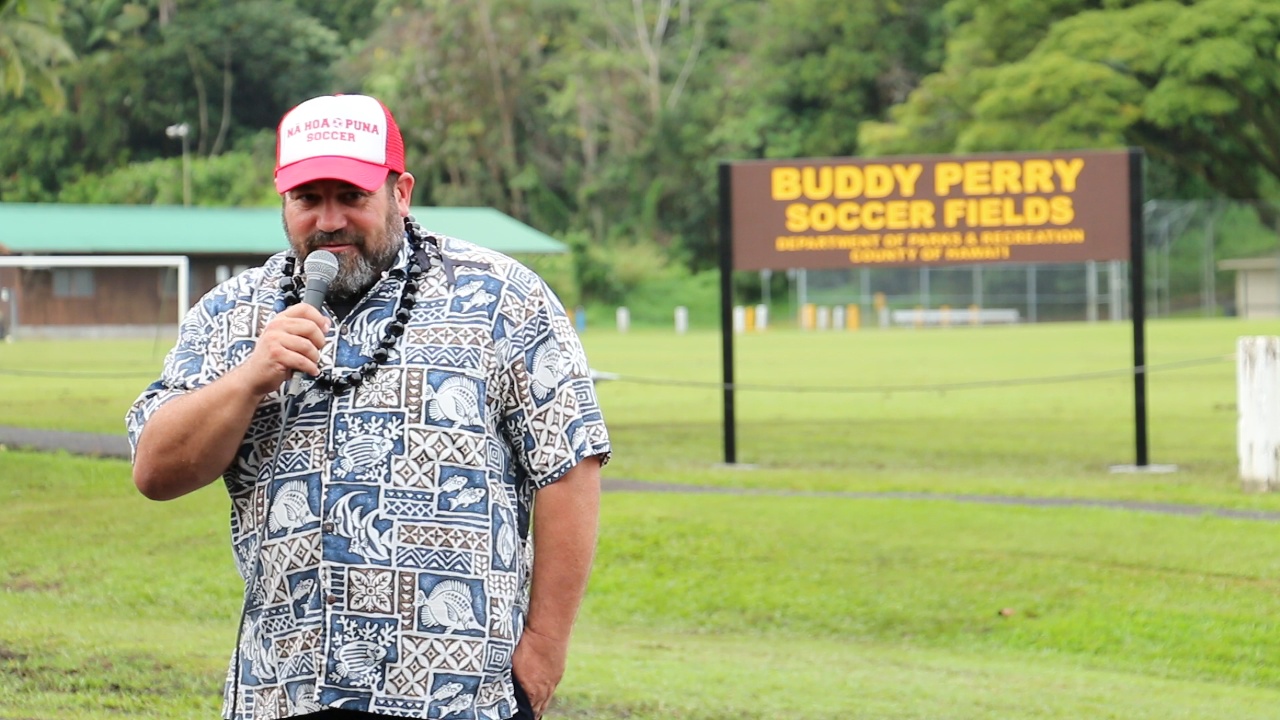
[(321, 264)]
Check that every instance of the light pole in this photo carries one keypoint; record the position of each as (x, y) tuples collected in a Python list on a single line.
[(181, 130)]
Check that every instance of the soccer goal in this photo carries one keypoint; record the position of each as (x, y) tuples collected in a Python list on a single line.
[(74, 285)]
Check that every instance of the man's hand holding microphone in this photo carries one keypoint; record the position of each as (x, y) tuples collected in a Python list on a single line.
[(289, 346)]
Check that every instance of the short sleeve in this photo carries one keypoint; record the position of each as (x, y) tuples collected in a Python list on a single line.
[(198, 358), (551, 415)]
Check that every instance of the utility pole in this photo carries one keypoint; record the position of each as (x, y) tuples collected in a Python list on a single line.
[(182, 130)]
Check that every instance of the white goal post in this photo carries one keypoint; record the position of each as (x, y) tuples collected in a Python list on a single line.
[(180, 262)]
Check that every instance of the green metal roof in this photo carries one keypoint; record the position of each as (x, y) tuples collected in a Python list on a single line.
[(53, 228)]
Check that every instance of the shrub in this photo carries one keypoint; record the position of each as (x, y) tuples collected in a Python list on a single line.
[(233, 179)]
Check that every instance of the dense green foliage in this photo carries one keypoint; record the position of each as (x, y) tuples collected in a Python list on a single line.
[(1194, 83), (32, 51), (602, 121)]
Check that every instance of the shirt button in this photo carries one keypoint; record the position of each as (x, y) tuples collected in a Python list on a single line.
[(327, 526), (333, 454), (331, 599)]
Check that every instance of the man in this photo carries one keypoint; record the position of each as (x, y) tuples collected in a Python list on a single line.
[(382, 514)]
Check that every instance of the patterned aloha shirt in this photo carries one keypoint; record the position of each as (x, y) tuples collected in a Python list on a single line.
[(385, 542)]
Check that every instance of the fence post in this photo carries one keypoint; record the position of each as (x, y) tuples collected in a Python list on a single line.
[(1258, 405)]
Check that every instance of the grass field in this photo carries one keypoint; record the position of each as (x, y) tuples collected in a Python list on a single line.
[(1036, 438), (710, 606)]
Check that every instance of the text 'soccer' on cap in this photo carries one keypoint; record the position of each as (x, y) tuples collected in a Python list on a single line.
[(352, 138)]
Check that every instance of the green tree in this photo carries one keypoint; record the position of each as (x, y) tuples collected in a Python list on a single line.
[(624, 86), (352, 20), (980, 37), (1196, 85), (541, 111), (229, 70), (462, 103), (826, 67), (237, 67), (786, 78), (32, 50)]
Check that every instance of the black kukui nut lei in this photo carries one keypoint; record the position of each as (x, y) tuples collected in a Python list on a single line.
[(290, 284)]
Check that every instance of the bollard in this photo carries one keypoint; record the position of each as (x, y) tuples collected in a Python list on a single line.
[(749, 323), (624, 319), (739, 319), (682, 320), (808, 316), (837, 317), (762, 317), (824, 318), (853, 318), (580, 319)]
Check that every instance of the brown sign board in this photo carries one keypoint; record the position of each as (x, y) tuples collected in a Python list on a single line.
[(930, 210)]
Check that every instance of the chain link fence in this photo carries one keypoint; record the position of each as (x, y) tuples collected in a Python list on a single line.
[(1203, 258)]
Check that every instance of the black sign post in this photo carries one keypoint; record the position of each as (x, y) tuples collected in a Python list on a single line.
[(1137, 296), (726, 309)]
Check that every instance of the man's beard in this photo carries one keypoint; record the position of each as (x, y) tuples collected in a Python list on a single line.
[(362, 266)]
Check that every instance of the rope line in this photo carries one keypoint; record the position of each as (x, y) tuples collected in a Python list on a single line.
[(752, 387), (76, 374), (938, 387)]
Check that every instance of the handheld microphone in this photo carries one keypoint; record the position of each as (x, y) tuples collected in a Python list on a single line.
[(321, 267)]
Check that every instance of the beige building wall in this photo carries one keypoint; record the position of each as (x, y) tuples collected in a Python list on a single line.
[(1257, 285), (1258, 293)]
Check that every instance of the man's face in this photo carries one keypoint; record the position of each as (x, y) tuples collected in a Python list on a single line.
[(365, 230)]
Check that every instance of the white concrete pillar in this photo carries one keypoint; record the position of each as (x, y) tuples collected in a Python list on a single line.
[(1258, 404)]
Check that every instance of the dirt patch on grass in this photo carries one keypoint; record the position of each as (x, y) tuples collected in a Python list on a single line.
[(22, 584), (8, 654), (127, 677)]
